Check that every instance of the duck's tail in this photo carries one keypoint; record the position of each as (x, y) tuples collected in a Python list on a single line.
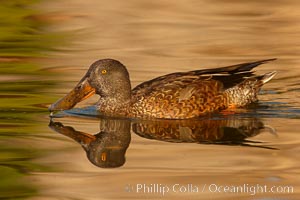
[(267, 77), (246, 92)]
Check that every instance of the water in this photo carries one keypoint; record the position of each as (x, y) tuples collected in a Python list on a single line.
[(46, 47)]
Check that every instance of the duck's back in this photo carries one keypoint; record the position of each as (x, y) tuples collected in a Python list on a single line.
[(196, 93)]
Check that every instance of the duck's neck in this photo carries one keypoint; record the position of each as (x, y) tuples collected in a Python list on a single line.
[(117, 103)]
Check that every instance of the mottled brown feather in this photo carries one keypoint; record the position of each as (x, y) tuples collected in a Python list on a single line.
[(195, 93)]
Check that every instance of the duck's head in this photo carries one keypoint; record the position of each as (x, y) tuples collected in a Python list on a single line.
[(108, 78)]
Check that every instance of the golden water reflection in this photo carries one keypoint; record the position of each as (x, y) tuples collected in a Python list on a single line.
[(151, 38)]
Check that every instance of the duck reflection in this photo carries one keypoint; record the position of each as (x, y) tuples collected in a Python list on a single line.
[(219, 131), (107, 148)]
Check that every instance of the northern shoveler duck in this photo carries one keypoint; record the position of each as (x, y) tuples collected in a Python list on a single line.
[(178, 95)]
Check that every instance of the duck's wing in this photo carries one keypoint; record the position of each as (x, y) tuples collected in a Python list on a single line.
[(228, 77)]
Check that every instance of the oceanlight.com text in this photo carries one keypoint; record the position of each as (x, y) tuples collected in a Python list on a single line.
[(163, 189)]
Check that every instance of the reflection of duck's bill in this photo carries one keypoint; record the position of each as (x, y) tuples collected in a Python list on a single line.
[(83, 90)]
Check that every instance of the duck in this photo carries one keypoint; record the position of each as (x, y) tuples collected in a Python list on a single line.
[(179, 95)]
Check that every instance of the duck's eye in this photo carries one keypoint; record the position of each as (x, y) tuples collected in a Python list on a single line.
[(104, 71)]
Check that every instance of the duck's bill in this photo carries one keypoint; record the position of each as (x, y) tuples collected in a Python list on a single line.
[(83, 90)]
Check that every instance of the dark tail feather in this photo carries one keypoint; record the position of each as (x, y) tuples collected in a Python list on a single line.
[(249, 66), (243, 67)]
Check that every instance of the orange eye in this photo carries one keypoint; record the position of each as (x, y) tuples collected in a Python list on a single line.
[(104, 71)]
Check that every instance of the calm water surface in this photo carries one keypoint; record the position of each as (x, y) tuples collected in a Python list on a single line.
[(46, 47)]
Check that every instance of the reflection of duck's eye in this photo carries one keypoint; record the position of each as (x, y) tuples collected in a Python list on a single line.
[(104, 71), (103, 156)]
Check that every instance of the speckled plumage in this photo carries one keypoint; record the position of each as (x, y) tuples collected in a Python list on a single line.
[(178, 95), (181, 97)]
